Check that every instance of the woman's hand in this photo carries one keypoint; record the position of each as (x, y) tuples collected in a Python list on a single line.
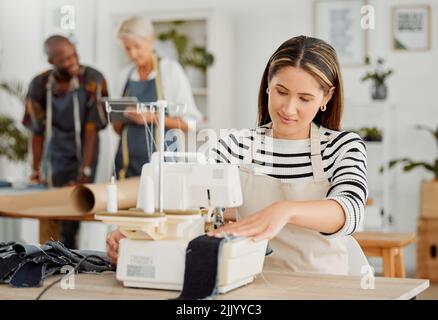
[(137, 118), (112, 242), (265, 224)]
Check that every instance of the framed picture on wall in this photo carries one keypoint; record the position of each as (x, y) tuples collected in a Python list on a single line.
[(411, 28), (339, 23)]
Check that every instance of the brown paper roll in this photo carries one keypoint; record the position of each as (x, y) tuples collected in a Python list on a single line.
[(52, 202), (69, 201), (93, 197)]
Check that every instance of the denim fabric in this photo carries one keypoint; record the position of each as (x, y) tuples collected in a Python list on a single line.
[(30, 274), (25, 250), (201, 268), (5, 247), (7, 266), (24, 265)]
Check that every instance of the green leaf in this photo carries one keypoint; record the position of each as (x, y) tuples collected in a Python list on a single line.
[(367, 60), (430, 130), (412, 165), (377, 75), (14, 88), (188, 54), (13, 142)]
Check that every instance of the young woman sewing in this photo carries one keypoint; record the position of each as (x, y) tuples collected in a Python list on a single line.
[(304, 185)]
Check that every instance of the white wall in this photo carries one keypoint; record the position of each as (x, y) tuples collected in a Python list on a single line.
[(21, 41), (259, 27)]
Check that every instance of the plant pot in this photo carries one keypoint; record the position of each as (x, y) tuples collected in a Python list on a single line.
[(379, 91), (197, 77), (427, 247), (372, 139), (429, 199)]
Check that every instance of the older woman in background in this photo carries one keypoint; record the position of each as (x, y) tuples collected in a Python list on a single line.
[(148, 78)]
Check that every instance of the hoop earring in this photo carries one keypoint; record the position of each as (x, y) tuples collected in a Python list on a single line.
[(323, 108), (267, 90)]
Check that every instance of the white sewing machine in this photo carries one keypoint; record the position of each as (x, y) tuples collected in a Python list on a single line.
[(153, 253)]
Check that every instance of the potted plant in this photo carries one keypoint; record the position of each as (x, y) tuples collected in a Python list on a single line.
[(371, 134), (180, 41), (13, 141), (195, 59), (378, 76), (429, 189)]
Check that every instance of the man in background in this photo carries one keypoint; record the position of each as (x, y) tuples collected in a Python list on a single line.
[(64, 111)]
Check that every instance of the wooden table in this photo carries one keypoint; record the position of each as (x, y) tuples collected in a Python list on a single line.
[(277, 285), (389, 246), (49, 225)]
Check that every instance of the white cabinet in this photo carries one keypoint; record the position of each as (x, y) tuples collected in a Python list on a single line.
[(378, 214)]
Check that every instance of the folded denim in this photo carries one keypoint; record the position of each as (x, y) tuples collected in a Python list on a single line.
[(25, 265)]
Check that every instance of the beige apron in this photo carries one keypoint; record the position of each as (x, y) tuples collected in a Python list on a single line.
[(295, 248)]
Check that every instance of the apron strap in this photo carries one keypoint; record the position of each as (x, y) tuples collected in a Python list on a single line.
[(158, 86), (160, 96), (158, 83), (125, 154), (125, 148), (125, 92), (315, 153), (77, 118), (48, 132), (74, 86)]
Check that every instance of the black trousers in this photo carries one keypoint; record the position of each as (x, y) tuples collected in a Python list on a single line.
[(69, 229), (69, 234)]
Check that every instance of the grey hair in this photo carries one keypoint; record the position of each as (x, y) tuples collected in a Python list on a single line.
[(133, 27)]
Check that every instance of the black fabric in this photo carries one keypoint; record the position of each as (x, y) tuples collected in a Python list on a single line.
[(23, 265), (201, 268)]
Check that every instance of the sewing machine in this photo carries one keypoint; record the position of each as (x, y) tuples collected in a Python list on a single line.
[(190, 198)]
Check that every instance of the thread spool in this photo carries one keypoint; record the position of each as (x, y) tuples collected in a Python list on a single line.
[(111, 190), (148, 195)]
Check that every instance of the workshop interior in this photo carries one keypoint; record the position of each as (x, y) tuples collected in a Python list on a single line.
[(206, 149)]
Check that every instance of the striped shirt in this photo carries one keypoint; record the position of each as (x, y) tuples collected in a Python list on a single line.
[(344, 161)]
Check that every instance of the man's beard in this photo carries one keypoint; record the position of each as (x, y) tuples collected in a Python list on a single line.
[(63, 73)]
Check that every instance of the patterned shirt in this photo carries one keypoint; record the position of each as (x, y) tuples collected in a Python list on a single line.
[(89, 78)]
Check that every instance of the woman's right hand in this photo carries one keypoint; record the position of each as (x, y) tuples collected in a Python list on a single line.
[(112, 242)]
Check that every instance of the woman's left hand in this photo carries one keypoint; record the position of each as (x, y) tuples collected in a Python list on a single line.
[(265, 224)]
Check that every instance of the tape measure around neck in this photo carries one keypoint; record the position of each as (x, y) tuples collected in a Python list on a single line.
[(74, 86)]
